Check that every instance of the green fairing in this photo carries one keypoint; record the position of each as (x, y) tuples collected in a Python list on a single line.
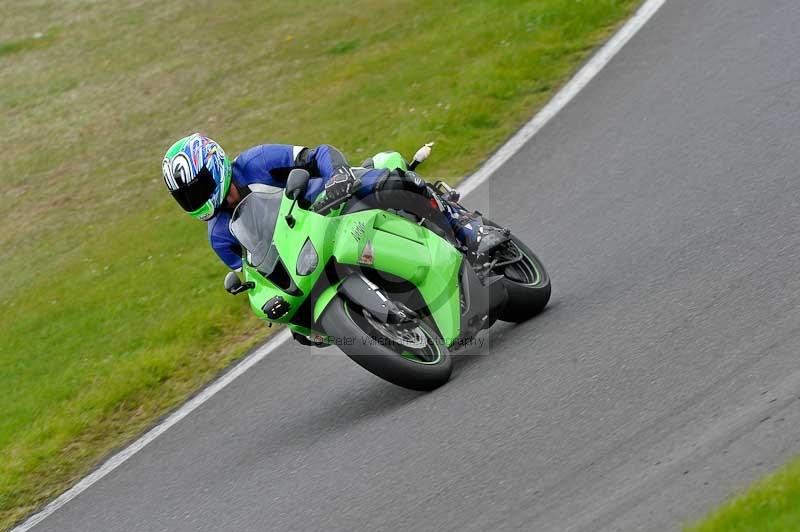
[(400, 247), (390, 160), (324, 299)]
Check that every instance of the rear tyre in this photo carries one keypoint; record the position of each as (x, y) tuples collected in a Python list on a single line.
[(526, 281), (413, 357)]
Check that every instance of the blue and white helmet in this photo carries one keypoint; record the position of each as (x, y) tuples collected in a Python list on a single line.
[(198, 175)]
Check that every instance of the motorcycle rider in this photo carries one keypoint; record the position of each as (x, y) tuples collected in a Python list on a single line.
[(208, 186)]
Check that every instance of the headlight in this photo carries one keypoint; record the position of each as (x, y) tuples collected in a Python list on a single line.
[(308, 260)]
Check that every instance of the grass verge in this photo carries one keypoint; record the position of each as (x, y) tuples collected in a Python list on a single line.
[(112, 304), (771, 505)]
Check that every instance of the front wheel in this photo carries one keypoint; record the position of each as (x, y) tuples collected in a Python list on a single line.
[(410, 355), (524, 278)]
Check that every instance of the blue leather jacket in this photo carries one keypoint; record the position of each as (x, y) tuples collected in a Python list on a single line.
[(270, 164)]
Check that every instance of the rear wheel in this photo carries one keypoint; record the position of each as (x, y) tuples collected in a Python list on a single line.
[(410, 355), (524, 277)]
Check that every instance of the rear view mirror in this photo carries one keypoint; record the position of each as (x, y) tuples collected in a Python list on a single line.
[(297, 183)]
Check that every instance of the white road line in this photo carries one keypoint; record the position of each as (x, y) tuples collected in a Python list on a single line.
[(564, 96), (559, 101), (193, 403)]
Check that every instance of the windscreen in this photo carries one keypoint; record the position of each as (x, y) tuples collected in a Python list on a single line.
[(253, 224)]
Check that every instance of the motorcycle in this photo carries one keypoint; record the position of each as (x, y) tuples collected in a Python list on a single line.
[(394, 290)]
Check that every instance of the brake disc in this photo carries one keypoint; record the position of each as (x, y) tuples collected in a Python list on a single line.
[(412, 338)]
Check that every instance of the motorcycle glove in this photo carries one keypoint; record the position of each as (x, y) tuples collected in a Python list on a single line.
[(341, 184)]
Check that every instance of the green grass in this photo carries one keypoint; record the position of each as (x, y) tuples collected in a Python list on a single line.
[(37, 40), (112, 302), (771, 505)]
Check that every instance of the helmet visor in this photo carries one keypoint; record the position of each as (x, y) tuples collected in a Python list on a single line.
[(193, 195)]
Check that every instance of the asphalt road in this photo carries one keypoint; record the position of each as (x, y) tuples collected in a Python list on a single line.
[(664, 376)]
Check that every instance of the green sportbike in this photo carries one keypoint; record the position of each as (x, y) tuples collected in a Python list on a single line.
[(391, 288)]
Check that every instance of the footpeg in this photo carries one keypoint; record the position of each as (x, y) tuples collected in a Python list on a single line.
[(489, 238)]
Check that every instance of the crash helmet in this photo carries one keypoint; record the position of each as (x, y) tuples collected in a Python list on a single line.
[(198, 175)]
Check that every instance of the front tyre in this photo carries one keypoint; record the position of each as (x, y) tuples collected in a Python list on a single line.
[(524, 278), (413, 357)]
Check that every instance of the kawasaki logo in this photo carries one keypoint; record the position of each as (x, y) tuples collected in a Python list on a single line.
[(358, 231)]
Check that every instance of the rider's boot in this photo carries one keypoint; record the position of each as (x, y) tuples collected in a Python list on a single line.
[(479, 240)]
